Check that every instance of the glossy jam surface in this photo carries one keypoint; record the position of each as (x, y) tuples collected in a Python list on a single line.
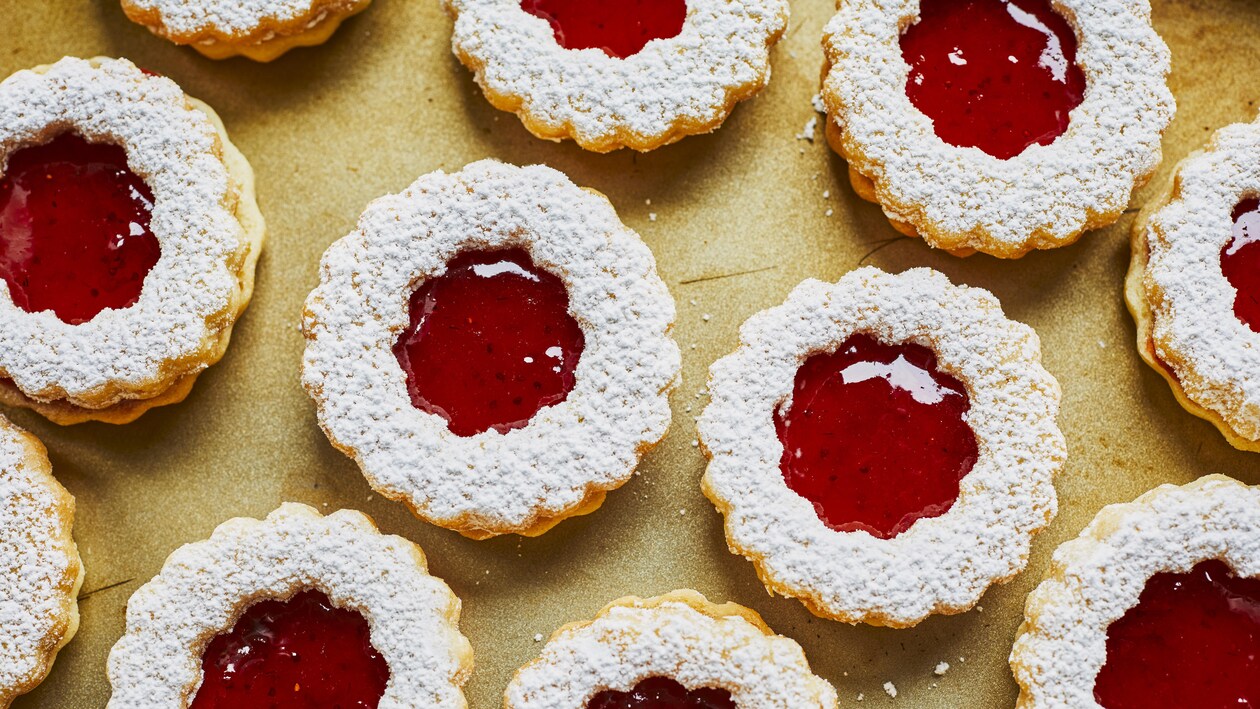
[(999, 75), (1240, 262), (74, 229), (621, 28), (876, 437), (302, 653), (1193, 640), (491, 342), (662, 693)]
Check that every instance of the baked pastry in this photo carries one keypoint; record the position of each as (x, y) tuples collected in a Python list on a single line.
[(124, 316), (970, 122), (1156, 604), (883, 448), (618, 74), (676, 650), (1193, 287), (259, 29), (492, 348), (297, 610), (40, 570)]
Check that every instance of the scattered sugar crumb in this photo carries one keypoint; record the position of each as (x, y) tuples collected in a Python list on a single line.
[(808, 132), (941, 668), (861, 696), (695, 443), (651, 216), (706, 317), (829, 212), (818, 104), (692, 301), (538, 637), (891, 689), (826, 194), (682, 512), (1102, 345)]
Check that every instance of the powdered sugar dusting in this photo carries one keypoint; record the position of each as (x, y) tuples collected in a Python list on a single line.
[(204, 588), (1099, 576), (492, 482), (633, 640), (673, 87), (960, 198), (1215, 356), (941, 564), (189, 18), (177, 151), (39, 565)]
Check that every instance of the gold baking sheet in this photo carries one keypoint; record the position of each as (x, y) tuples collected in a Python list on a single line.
[(741, 217)]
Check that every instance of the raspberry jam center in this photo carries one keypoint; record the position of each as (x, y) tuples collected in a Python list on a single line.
[(621, 28), (998, 75), (491, 342), (876, 437), (74, 229), (662, 693), (1240, 262), (302, 653), (1193, 640)]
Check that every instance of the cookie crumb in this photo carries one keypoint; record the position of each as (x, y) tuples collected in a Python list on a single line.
[(941, 668), (891, 689), (808, 132)]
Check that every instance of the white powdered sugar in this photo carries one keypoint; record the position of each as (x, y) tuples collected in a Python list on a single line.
[(205, 587), (674, 87), (189, 20), (492, 482), (963, 198), (188, 297), (940, 564), (680, 636), (1215, 356), (1099, 576), (40, 569)]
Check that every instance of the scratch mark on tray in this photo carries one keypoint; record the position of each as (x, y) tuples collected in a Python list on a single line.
[(720, 276), (883, 244), (95, 591)]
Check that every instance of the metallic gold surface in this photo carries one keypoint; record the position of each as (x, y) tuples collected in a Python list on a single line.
[(741, 217)]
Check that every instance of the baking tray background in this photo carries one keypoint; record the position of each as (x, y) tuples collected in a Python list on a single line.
[(741, 218)]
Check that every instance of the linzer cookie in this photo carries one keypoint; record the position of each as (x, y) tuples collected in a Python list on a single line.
[(297, 610), (1156, 605), (883, 448), (261, 30), (676, 650), (1194, 284), (40, 570), (129, 233), (997, 126), (492, 348), (618, 74)]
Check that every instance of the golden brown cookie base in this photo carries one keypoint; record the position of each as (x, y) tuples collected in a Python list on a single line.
[(36, 461), (1144, 318), (119, 407)]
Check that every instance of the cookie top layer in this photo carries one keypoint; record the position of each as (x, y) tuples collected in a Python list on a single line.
[(680, 635), (190, 295), (39, 563), (940, 564), (491, 482), (674, 87), (1099, 576), (204, 587), (963, 198)]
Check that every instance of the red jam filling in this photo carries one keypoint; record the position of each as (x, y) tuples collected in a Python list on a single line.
[(999, 75), (302, 653), (491, 342), (876, 437), (74, 229), (662, 693), (1193, 640), (621, 28), (1240, 262)]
